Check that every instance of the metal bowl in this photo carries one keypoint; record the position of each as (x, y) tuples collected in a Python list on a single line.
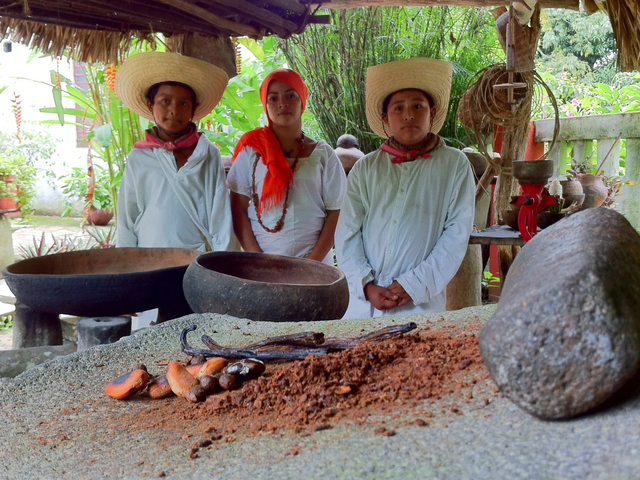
[(533, 171), (265, 287), (101, 282)]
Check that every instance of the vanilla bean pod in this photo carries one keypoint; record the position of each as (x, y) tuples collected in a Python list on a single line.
[(289, 342), (244, 353), (293, 351), (342, 343)]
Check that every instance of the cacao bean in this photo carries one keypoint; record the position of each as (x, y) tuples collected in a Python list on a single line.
[(179, 378), (126, 385)]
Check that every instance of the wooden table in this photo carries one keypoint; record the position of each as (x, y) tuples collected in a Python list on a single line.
[(497, 235)]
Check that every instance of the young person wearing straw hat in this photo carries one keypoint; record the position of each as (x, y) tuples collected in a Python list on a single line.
[(408, 213), (173, 191), (286, 188)]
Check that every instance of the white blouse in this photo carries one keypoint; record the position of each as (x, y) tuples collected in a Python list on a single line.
[(319, 184)]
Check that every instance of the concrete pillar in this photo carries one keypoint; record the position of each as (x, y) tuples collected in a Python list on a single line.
[(94, 331), (32, 328), (6, 243)]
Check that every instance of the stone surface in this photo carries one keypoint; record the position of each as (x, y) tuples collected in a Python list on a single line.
[(566, 333), (57, 423), (94, 331), (15, 362)]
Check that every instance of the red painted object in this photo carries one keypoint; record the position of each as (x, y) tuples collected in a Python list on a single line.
[(534, 199)]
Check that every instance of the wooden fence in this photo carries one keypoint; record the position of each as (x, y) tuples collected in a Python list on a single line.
[(579, 134)]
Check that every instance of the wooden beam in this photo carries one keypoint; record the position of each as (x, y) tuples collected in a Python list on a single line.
[(342, 4), (272, 21), (238, 29)]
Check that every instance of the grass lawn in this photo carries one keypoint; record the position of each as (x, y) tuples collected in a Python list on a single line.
[(47, 221)]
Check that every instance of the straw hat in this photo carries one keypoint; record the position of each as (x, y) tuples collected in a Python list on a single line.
[(428, 74), (139, 72)]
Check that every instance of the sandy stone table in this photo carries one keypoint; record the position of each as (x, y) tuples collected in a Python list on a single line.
[(57, 423)]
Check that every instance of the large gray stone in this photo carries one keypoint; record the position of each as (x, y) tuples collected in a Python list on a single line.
[(566, 333)]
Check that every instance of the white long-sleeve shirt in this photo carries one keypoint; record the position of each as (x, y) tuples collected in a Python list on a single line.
[(319, 184), (158, 202), (408, 222)]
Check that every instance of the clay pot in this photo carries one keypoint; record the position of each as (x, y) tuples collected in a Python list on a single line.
[(99, 217), (572, 192), (595, 191), (265, 287)]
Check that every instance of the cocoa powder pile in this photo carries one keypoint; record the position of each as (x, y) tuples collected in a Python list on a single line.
[(353, 386)]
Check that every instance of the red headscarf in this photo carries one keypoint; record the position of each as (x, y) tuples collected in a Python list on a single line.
[(264, 141)]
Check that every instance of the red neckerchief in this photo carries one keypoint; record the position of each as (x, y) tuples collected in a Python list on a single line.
[(151, 139), (400, 154)]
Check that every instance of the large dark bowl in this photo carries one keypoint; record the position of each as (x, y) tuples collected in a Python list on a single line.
[(101, 282), (265, 287)]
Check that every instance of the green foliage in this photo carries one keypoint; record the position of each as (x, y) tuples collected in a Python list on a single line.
[(6, 322), (112, 131), (333, 59), (18, 177), (577, 44), (75, 184), (240, 109)]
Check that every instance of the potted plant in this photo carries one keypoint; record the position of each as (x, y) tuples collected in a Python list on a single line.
[(77, 184), (17, 182)]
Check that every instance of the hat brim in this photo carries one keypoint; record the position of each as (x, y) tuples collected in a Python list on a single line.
[(428, 74), (140, 72)]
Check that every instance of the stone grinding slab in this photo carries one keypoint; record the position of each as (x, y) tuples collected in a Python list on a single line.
[(57, 423)]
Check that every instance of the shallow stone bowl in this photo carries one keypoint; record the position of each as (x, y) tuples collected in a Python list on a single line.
[(101, 282), (265, 287), (532, 171)]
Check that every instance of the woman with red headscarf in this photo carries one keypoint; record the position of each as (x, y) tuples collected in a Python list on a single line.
[(286, 188)]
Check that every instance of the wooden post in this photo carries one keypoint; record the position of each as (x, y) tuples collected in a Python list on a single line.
[(32, 328), (631, 199)]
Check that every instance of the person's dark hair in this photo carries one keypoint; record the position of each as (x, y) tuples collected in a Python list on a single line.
[(153, 91), (347, 141), (385, 104)]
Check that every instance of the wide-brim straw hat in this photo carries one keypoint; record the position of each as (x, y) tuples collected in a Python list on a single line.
[(428, 74), (140, 72)]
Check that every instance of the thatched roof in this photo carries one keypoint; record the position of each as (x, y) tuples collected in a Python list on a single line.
[(102, 29)]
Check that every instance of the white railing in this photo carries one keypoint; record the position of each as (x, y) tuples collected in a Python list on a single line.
[(579, 133)]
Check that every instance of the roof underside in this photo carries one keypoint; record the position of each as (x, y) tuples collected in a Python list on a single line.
[(103, 30)]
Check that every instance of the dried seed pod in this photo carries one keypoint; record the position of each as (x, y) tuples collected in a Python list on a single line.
[(196, 394), (140, 366), (210, 383), (159, 388), (179, 378), (247, 369), (228, 381), (197, 360), (212, 366), (126, 385)]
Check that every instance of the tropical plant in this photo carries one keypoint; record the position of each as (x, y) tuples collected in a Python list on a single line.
[(240, 109), (58, 245), (18, 179), (578, 44), (334, 58), (75, 184), (112, 128)]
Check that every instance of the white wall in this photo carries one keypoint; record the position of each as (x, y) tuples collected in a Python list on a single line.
[(31, 80)]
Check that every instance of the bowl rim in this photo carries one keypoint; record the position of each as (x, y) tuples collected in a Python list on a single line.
[(341, 275), (6, 272)]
